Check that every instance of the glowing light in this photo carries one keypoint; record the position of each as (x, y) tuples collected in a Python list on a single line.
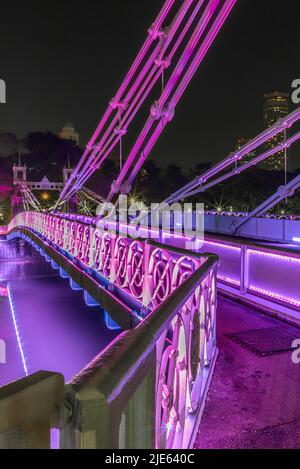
[(168, 426), (223, 278), (225, 246), (45, 196), (17, 331), (275, 296), (3, 291), (274, 256), (296, 240), (110, 323)]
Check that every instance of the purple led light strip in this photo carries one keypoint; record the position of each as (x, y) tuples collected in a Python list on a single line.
[(275, 296), (275, 256), (13, 315), (229, 280), (224, 246)]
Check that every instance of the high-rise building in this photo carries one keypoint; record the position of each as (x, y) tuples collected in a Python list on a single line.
[(68, 133), (240, 143), (276, 106)]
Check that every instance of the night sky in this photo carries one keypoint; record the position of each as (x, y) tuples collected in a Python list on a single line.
[(63, 61)]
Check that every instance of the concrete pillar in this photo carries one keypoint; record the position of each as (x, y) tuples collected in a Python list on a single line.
[(29, 408)]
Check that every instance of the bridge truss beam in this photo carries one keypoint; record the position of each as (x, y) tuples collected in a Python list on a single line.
[(198, 184), (282, 193)]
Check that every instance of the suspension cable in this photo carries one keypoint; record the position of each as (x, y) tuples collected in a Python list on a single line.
[(152, 36), (165, 114)]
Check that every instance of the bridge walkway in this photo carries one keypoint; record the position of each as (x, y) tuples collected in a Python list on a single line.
[(254, 399)]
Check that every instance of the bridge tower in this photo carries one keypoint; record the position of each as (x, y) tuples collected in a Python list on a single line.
[(20, 176), (72, 204)]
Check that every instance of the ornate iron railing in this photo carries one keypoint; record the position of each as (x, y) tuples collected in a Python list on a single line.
[(148, 388), (147, 271)]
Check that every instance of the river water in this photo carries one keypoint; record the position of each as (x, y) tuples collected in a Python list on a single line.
[(44, 324)]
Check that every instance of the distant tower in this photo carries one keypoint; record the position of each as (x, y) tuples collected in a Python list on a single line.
[(67, 171), (276, 106), (20, 175), (68, 133), (72, 204)]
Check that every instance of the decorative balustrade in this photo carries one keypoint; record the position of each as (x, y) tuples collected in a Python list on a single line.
[(147, 389), (3, 230), (147, 271), (275, 228)]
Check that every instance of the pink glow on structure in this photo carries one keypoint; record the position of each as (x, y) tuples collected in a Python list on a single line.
[(133, 86), (118, 258), (223, 278), (153, 34), (224, 246), (215, 28), (160, 51), (3, 291)]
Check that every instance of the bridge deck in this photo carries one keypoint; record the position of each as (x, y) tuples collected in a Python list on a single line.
[(254, 401)]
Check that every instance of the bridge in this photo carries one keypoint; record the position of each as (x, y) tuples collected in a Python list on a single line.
[(158, 289)]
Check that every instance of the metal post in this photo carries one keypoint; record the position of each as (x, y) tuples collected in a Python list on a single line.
[(244, 268), (29, 408)]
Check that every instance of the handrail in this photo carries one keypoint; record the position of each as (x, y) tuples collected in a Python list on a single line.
[(130, 366), (147, 388), (29, 408), (146, 271)]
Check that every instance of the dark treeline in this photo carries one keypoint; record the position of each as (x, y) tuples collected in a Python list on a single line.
[(44, 153)]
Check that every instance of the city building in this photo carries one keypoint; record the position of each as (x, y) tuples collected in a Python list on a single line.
[(240, 143), (276, 106), (68, 133)]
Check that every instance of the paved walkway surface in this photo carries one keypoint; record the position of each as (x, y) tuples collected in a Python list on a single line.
[(254, 401)]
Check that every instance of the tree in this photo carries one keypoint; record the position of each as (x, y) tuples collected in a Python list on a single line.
[(8, 145), (199, 169), (47, 154), (149, 182), (173, 179)]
